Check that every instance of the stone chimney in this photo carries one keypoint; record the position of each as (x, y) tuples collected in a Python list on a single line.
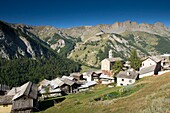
[(110, 53)]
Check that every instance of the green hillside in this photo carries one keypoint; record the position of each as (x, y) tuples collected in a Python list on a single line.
[(152, 97)]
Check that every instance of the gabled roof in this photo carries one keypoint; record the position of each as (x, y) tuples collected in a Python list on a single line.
[(88, 84), (59, 82), (54, 84), (103, 76), (57, 90), (29, 89), (67, 81), (127, 74), (165, 55), (147, 69), (75, 74), (14, 91), (154, 58), (45, 82), (68, 77)]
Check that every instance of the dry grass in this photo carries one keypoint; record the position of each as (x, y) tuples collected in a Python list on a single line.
[(153, 98)]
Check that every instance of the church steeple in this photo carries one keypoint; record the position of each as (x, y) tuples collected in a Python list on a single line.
[(110, 53)]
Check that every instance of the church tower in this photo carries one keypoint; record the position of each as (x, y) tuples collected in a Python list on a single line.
[(110, 53)]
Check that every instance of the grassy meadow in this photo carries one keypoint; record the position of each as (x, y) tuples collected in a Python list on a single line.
[(148, 95)]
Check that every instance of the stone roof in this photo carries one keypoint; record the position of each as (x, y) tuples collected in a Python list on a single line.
[(57, 90), (103, 76), (127, 74), (147, 69), (6, 99), (67, 81), (59, 82), (75, 74), (54, 84), (45, 82), (14, 91), (68, 77), (29, 89), (155, 58), (88, 84)]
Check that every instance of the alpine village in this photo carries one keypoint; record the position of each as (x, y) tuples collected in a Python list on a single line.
[(119, 68)]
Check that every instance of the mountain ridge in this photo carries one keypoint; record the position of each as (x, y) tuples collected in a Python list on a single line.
[(90, 44)]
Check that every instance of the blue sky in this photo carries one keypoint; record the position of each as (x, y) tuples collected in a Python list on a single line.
[(71, 13)]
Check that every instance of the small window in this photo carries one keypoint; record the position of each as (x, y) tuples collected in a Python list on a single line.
[(122, 79), (130, 81)]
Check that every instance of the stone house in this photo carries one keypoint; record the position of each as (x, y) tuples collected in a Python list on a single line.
[(77, 76), (105, 79), (107, 63), (150, 66), (92, 75), (127, 77)]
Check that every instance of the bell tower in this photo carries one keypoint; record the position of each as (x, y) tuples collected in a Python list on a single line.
[(110, 53)]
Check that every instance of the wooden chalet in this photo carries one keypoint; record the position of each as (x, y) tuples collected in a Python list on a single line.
[(77, 76), (69, 86), (25, 101)]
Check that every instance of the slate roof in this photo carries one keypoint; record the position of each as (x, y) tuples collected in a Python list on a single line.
[(54, 84), (124, 74), (45, 82), (88, 84), (59, 82), (50, 91), (103, 76), (28, 89), (14, 91), (68, 77), (147, 69), (75, 74), (155, 58), (6, 99), (67, 81)]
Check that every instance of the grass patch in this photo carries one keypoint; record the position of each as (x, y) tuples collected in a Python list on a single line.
[(124, 91)]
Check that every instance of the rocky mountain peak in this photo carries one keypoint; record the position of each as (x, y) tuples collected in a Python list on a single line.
[(159, 24)]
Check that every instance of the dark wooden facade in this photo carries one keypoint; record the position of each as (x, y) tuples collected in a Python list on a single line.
[(25, 101), (157, 68), (24, 105)]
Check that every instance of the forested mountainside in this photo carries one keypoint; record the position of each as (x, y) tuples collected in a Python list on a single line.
[(25, 57), (86, 45), (16, 72)]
